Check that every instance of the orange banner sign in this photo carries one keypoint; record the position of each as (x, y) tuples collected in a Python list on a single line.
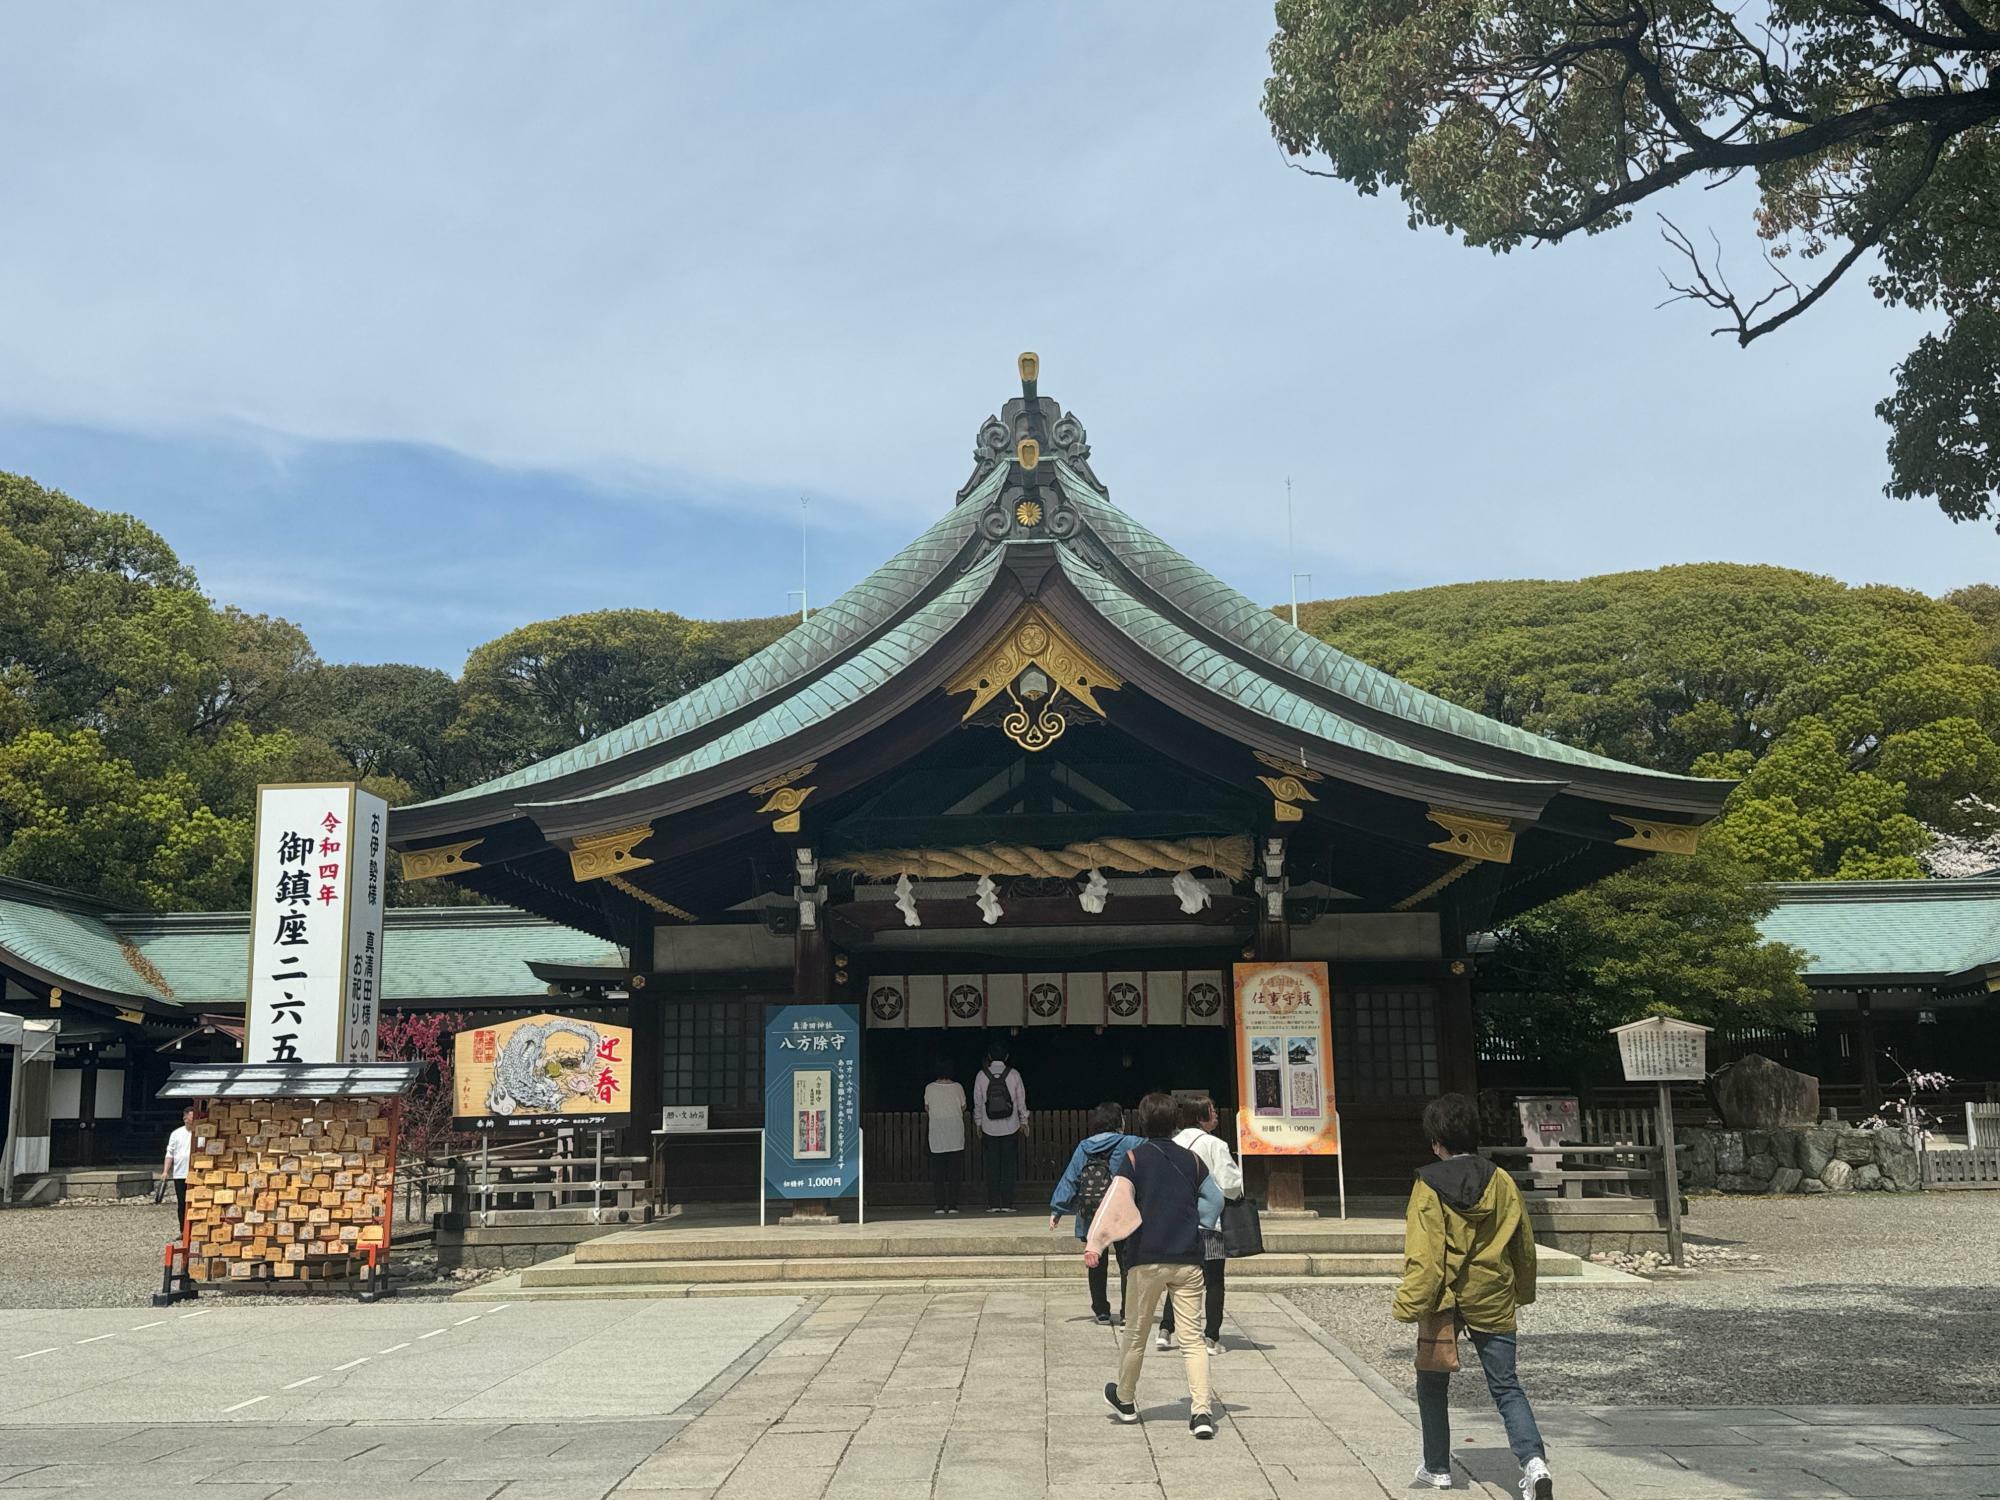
[(1284, 1060)]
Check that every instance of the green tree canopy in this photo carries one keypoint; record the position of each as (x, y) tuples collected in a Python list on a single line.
[(1856, 717), (389, 720), (539, 690), (1869, 128)]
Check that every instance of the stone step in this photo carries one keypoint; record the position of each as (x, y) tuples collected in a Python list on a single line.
[(1306, 1238), (521, 1286), (572, 1271)]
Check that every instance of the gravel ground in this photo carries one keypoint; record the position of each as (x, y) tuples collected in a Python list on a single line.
[(86, 1252), (1849, 1300)]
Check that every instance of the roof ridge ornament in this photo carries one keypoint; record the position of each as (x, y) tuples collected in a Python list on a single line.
[(1030, 429)]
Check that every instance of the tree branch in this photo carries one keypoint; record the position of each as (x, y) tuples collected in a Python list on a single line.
[(1715, 292), (1946, 115)]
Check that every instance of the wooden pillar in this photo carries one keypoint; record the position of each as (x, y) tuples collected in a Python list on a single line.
[(812, 984), (1864, 1041), (1284, 1176), (1457, 1033)]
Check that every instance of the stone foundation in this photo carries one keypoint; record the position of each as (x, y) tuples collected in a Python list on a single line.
[(1802, 1159)]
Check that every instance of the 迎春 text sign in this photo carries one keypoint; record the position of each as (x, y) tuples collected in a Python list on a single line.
[(542, 1071), (318, 876)]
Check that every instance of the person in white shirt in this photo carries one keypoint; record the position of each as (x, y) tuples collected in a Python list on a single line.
[(1000, 1105), (1198, 1122), (180, 1145), (944, 1105)]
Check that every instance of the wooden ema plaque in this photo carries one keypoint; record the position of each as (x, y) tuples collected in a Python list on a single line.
[(289, 1189)]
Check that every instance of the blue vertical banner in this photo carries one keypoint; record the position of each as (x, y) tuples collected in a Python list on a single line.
[(812, 1102)]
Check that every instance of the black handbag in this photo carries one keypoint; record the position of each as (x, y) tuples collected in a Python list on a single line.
[(1242, 1230)]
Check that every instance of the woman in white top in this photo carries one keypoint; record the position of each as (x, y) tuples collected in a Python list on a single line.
[(1198, 1122), (944, 1104)]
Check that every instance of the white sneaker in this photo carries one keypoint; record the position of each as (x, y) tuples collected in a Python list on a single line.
[(1427, 1480), (1214, 1348), (1535, 1481), (1165, 1341)]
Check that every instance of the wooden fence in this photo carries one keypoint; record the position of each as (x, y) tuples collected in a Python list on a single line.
[(1978, 1168)]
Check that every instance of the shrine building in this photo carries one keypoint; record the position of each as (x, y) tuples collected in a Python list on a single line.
[(1041, 778)]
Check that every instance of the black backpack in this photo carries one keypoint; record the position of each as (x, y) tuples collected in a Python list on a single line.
[(999, 1098), (1092, 1183)]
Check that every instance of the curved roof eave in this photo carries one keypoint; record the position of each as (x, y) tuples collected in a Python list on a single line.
[(808, 650), (1211, 607), (1178, 660), (799, 717)]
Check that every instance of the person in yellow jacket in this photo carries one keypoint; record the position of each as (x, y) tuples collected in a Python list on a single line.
[(1467, 1245)]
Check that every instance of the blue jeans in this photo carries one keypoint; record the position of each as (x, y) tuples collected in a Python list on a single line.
[(1496, 1357)]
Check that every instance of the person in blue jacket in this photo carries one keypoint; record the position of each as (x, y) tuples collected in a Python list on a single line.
[(1084, 1183)]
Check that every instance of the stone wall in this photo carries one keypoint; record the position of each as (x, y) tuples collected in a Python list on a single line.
[(1810, 1159)]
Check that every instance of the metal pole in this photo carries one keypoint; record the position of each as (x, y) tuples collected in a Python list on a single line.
[(861, 1176), (485, 1183), (597, 1183), (1290, 551), (1340, 1161), (1671, 1172), (761, 1165)]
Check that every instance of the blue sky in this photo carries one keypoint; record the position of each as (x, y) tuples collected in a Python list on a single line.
[(416, 324)]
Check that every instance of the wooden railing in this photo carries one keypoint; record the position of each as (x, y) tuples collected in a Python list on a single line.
[(1620, 1170), (1976, 1168), (548, 1180)]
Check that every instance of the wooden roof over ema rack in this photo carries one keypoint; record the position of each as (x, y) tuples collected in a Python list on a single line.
[(1035, 688)]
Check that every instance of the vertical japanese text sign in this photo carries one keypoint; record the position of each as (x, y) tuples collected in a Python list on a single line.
[(1284, 1060), (318, 880), (812, 1101)]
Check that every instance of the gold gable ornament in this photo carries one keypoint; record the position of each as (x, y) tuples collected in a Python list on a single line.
[(784, 799), (444, 859), (1660, 838), (1036, 663), (602, 854), (1287, 792), (1473, 837)]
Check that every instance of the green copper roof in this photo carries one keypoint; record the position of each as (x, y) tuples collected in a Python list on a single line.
[(1201, 596), (202, 959), (77, 948), (804, 649), (1202, 664), (866, 672), (1918, 930)]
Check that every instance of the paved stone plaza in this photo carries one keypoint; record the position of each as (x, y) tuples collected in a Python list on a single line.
[(949, 1395)]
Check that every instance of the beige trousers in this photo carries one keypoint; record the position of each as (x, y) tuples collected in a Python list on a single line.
[(1148, 1284)]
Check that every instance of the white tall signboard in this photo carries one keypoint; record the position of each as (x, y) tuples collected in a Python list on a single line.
[(318, 882)]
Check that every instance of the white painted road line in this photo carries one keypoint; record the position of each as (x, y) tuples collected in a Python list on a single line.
[(394, 1347), (202, 1314), (350, 1364), (98, 1338), (433, 1333), (463, 1321), (307, 1381), (156, 1323), (241, 1404), (33, 1352), (501, 1308)]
